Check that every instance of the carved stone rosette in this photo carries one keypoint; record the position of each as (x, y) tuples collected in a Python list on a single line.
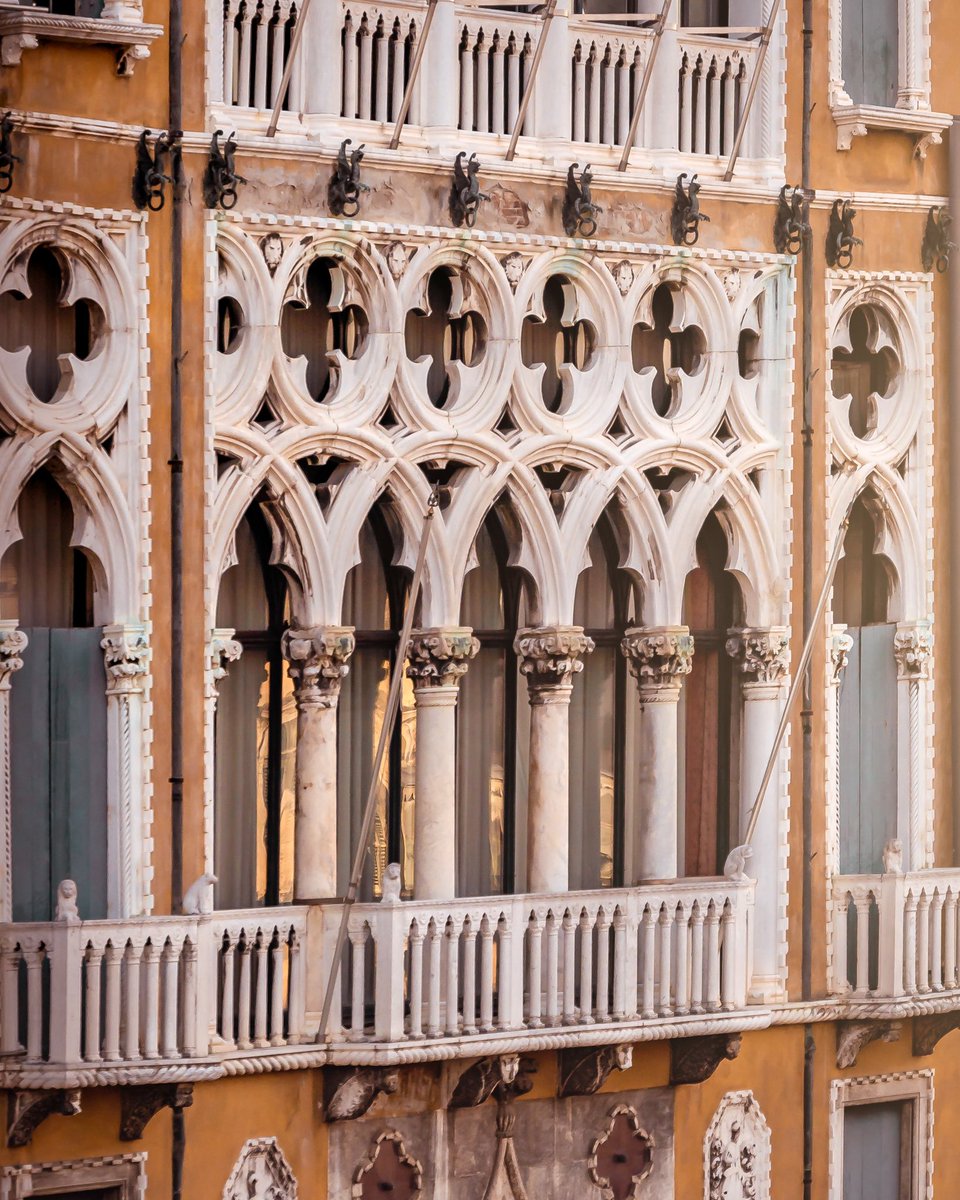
[(761, 655), (551, 656), (658, 659), (913, 649), (440, 657), (318, 662), (125, 654), (13, 642)]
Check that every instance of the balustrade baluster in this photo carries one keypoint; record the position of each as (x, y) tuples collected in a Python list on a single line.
[(229, 54), (358, 944), (276, 991), (909, 944), (700, 108), (729, 109), (483, 85), (365, 89), (681, 1003), (415, 944), (534, 976), (579, 93), (295, 93), (243, 1007), (569, 927), (950, 940), (295, 986), (434, 937), (243, 71), (497, 86), (469, 977), (923, 944), (486, 976), (713, 957), (151, 1008), (686, 105), (936, 943), (227, 1032), (624, 112), (261, 35), (466, 80), (111, 1012), (278, 49), (195, 1040), (863, 904), (381, 56), (619, 966), (728, 948), (586, 967), (841, 981), (349, 68), (593, 84), (10, 958), (552, 1006), (648, 926), (92, 962), (696, 959), (131, 1001), (515, 52), (397, 74), (608, 72), (603, 966), (451, 998), (665, 959), (713, 103), (171, 988), (34, 959)]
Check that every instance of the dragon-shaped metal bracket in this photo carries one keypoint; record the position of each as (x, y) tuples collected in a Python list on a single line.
[(220, 179), (792, 224), (345, 186), (149, 176), (465, 195), (840, 237), (579, 211), (686, 217), (937, 246), (7, 156)]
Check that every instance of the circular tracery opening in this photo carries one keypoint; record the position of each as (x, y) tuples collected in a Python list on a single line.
[(559, 339), (47, 323), (865, 371), (449, 333), (321, 325), (665, 351)]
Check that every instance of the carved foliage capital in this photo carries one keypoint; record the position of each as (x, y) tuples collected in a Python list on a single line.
[(761, 655), (550, 657), (318, 662), (125, 655), (440, 657), (13, 642), (659, 658), (913, 648)]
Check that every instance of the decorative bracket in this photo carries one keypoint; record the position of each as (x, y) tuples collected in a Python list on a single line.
[(840, 237), (465, 195), (927, 1031), (793, 221), (348, 1092), (505, 1076), (149, 176), (579, 211), (584, 1071), (27, 1110), (937, 246), (694, 1060), (139, 1105), (852, 1036), (7, 156), (345, 186), (220, 179), (686, 217)]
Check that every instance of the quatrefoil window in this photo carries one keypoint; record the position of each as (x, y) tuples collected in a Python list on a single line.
[(557, 340), (447, 330), (319, 324), (622, 1156), (667, 348), (42, 317), (864, 372)]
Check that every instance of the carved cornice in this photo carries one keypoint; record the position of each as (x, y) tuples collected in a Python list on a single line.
[(550, 656), (318, 663), (761, 655), (440, 657), (913, 649), (125, 654), (658, 658), (13, 642)]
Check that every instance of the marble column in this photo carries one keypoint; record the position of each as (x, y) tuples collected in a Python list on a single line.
[(913, 648), (125, 658), (658, 658), (13, 642), (549, 658), (222, 649), (436, 662), (762, 659), (317, 661)]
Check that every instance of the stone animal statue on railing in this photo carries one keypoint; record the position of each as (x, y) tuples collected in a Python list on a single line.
[(198, 898), (686, 217), (579, 211), (465, 196), (220, 180), (840, 237), (149, 176), (345, 186)]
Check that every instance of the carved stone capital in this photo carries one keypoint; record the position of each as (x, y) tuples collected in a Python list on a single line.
[(318, 659), (13, 642), (440, 657), (852, 1036), (139, 1105), (839, 648), (223, 649), (761, 655), (125, 654), (550, 656), (913, 649), (658, 659)]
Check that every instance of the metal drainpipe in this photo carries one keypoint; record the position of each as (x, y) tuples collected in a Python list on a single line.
[(176, 520), (954, 410), (807, 848)]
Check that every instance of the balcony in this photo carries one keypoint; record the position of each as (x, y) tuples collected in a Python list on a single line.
[(120, 25), (192, 998), (355, 60)]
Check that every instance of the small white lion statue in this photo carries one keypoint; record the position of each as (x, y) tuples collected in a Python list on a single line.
[(392, 881), (66, 910), (198, 898)]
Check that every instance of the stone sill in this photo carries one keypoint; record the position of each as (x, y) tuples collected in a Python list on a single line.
[(855, 120), (24, 28)]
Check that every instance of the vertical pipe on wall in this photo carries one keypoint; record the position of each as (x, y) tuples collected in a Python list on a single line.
[(954, 410)]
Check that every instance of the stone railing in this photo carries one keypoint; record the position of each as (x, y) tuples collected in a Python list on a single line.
[(495, 50), (714, 75), (608, 67), (895, 935)]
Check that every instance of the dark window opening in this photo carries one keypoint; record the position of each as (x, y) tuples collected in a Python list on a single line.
[(558, 340), (321, 326), (666, 351), (448, 333), (229, 324), (863, 372)]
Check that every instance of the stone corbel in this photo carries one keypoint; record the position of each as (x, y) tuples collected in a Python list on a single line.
[(927, 1031), (852, 1036), (29, 1109), (348, 1092), (504, 1076), (223, 650), (581, 1072), (139, 1105), (839, 649), (694, 1060)]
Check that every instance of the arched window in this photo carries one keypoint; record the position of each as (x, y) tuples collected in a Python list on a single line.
[(373, 603), (58, 717), (710, 709), (868, 697), (256, 731), (603, 721)]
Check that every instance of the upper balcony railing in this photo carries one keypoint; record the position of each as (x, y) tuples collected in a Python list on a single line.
[(355, 62), (181, 996)]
